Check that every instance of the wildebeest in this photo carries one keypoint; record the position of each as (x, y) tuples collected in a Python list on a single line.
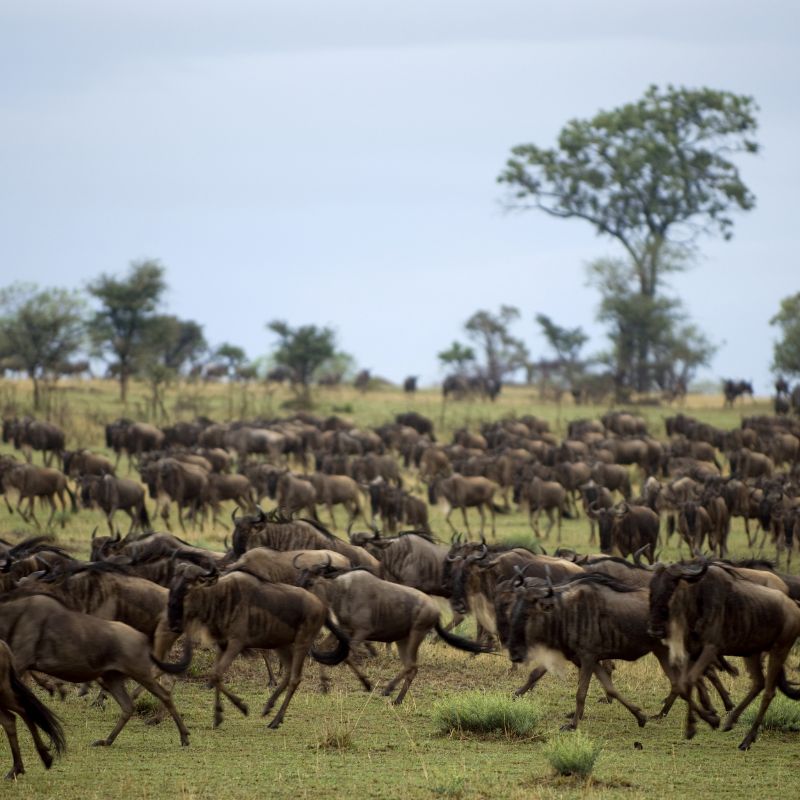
[(269, 530), (133, 438), (728, 615), (590, 619), (47, 637), (371, 609), (29, 434), (81, 462), (17, 699), (627, 528), (733, 389), (185, 484), (420, 423), (341, 490), (547, 496), (465, 492), (238, 612), (33, 482), (410, 384), (111, 494)]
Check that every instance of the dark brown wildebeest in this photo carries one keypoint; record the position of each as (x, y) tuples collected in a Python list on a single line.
[(410, 384), (420, 423), (364, 469), (392, 506), (81, 462), (17, 699), (229, 487), (292, 493), (626, 529), (33, 482), (594, 496), (240, 612), (112, 494), (47, 637), (729, 616), (268, 530), (590, 619), (614, 477), (371, 609), (733, 389), (464, 493), (171, 480), (133, 438), (29, 434), (341, 490), (284, 566), (547, 496)]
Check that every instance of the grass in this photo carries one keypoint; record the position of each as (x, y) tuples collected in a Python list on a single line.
[(485, 713), (572, 754), (783, 714), (348, 743)]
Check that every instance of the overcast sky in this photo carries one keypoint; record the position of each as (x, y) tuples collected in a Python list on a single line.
[(335, 161)]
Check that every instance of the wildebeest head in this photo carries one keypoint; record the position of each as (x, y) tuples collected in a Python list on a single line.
[(662, 586), (243, 526), (606, 521), (102, 547), (199, 572)]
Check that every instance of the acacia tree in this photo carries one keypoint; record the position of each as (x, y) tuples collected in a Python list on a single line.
[(119, 329), (40, 329), (302, 350), (786, 358), (653, 176), (457, 355), (503, 352), (566, 343)]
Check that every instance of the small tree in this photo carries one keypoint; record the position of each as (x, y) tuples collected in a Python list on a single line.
[(40, 329), (567, 344), (303, 350), (119, 330), (786, 358), (232, 355), (458, 356), (503, 353)]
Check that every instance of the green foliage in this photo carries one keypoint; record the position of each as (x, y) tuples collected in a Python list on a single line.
[(232, 354), (503, 352), (786, 357), (303, 350), (573, 753), (485, 713), (567, 344), (783, 714), (458, 356), (120, 328), (40, 329)]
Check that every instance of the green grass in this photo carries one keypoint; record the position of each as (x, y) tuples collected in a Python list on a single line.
[(349, 743), (783, 714), (572, 753), (485, 713)]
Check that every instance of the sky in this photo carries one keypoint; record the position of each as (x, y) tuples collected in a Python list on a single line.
[(335, 161)]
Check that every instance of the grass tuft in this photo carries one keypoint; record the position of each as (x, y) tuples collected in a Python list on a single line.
[(572, 754), (783, 714), (336, 738), (485, 713)]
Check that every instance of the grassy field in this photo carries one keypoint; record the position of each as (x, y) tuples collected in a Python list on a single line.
[(350, 743)]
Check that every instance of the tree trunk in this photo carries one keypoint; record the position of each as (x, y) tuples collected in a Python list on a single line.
[(37, 400)]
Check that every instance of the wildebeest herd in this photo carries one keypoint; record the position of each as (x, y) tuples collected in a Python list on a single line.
[(286, 577)]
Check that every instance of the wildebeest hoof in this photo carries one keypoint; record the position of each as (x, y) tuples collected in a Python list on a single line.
[(746, 742), (12, 773), (275, 724), (728, 726), (47, 759), (606, 700), (713, 721), (397, 701), (100, 743), (690, 734), (243, 708), (641, 719), (570, 726), (184, 741)]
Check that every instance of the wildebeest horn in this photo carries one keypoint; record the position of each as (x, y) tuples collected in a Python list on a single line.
[(117, 537), (483, 539), (94, 533), (519, 576), (261, 514), (294, 560), (233, 514), (484, 551), (548, 578)]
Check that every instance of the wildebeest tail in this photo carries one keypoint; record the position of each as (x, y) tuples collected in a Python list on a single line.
[(178, 667), (341, 651), (460, 642), (791, 690), (498, 509), (38, 714)]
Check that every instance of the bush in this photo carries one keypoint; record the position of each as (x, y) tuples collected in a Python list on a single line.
[(485, 713), (783, 714), (572, 754)]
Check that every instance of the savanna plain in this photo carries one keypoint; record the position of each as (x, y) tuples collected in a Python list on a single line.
[(349, 743)]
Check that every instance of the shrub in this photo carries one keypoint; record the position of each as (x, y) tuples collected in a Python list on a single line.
[(336, 738), (485, 713), (783, 714), (572, 754)]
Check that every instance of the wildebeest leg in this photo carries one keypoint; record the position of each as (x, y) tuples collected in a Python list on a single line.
[(224, 660), (551, 522), (714, 680), (611, 691), (407, 649), (533, 679), (483, 519), (162, 694), (689, 680), (774, 667), (9, 724), (292, 659), (491, 511), (271, 682), (114, 684), (757, 682), (585, 676), (533, 521), (466, 520), (447, 519)]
